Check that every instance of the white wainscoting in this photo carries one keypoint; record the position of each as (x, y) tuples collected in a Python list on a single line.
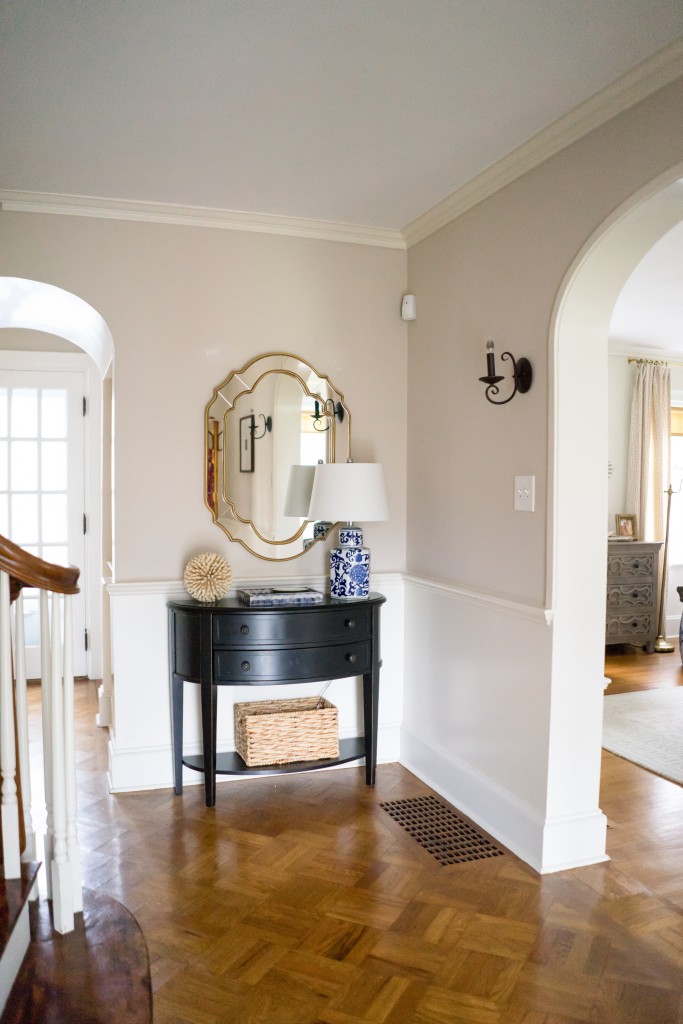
[(476, 720), (140, 735), (465, 704)]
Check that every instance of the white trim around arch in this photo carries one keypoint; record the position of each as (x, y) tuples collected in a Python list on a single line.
[(578, 453)]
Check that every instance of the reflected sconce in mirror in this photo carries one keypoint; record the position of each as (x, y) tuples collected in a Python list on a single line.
[(329, 408), (265, 427), (521, 375)]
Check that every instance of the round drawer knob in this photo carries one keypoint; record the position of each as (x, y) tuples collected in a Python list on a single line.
[(634, 594), (245, 666), (244, 630), (636, 565), (351, 623), (352, 658)]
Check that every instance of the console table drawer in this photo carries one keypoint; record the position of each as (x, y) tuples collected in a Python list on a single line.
[(630, 595), (299, 627), (249, 665)]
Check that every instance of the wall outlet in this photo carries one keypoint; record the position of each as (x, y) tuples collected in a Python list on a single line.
[(525, 493)]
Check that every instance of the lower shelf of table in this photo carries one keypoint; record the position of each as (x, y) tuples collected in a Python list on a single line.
[(230, 763)]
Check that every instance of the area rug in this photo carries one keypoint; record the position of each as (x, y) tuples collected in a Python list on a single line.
[(647, 728)]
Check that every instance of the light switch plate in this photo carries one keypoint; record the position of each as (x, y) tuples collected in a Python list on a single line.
[(525, 493)]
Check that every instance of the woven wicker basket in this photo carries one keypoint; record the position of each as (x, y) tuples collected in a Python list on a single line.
[(281, 731)]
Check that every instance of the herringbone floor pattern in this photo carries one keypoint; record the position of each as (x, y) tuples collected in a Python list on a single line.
[(298, 900)]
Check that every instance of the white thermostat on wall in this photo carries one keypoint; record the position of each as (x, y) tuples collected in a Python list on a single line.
[(408, 308)]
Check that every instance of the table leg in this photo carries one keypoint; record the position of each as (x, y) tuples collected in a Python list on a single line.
[(177, 729), (370, 712), (209, 707)]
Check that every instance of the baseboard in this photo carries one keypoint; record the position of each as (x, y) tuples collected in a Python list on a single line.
[(546, 845), (155, 764)]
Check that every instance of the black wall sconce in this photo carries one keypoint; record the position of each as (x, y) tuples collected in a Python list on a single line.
[(328, 409), (266, 426), (521, 375)]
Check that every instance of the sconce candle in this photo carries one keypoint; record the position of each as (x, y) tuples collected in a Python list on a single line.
[(521, 375)]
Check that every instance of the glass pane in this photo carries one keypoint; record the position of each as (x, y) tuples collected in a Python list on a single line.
[(56, 553), (55, 530), (31, 621), (24, 422), (24, 465), (676, 520), (4, 515), (54, 421), (24, 522), (3, 412), (53, 466), (3, 466)]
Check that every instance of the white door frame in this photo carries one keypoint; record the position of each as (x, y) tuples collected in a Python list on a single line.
[(91, 572)]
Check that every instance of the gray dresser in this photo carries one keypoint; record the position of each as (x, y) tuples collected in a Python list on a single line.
[(632, 593)]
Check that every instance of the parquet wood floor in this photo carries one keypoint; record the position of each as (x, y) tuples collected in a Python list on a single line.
[(298, 900)]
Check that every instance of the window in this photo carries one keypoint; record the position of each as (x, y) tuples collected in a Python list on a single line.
[(676, 521)]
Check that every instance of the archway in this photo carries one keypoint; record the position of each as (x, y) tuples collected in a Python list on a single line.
[(36, 306), (578, 504), (44, 307)]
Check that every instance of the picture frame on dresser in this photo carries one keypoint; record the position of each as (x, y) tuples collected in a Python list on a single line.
[(626, 526)]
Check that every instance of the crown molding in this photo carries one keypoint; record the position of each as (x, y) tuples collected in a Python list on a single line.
[(632, 350), (198, 216), (653, 74)]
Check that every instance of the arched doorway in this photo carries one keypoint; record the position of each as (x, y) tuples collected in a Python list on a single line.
[(35, 306), (578, 509)]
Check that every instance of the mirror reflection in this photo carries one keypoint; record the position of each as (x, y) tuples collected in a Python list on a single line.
[(267, 426)]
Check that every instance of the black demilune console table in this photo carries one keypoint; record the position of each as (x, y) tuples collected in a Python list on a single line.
[(228, 643)]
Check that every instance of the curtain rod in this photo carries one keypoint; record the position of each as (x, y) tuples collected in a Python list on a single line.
[(655, 362)]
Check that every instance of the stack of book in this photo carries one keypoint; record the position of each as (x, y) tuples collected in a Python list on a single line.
[(274, 596)]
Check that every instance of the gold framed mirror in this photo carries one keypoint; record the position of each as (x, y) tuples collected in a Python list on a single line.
[(266, 419)]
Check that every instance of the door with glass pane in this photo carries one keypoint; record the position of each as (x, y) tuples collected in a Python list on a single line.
[(42, 498)]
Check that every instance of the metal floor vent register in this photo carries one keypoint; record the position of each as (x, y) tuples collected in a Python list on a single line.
[(441, 831)]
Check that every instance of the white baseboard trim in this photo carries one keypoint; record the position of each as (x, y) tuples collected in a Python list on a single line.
[(547, 846), (155, 764)]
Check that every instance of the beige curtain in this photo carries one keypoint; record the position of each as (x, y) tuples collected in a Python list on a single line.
[(650, 448)]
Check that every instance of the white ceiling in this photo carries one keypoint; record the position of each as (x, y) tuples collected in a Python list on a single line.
[(363, 112)]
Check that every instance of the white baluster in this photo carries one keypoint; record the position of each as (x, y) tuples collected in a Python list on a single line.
[(46, 695), (73, 848), (62, 898), (10, 807), (22, 727)]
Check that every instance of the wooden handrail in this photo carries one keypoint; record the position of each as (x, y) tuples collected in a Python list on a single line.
[(26, 570)]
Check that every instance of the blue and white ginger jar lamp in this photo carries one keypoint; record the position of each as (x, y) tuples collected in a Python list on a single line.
[(349, 491)]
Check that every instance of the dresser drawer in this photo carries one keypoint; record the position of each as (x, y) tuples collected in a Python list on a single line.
[(333, 625), (630, 566), (630, 595), (248, 665), (627, 628)]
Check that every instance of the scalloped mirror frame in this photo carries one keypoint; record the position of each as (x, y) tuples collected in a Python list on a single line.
[(217, 484)]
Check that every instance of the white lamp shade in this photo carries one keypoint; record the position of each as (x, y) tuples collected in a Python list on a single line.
[(349, 492), (299, 487)]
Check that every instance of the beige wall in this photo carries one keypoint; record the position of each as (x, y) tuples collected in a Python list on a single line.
[(187, 305), (505, 610), (496, 271)]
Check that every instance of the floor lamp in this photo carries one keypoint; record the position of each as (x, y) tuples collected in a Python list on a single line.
[(662, 645)]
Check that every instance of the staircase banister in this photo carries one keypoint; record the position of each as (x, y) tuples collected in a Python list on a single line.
[(26, 570)]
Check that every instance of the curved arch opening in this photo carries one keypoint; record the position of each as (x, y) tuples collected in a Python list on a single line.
[(578, 505), (37, 306)]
